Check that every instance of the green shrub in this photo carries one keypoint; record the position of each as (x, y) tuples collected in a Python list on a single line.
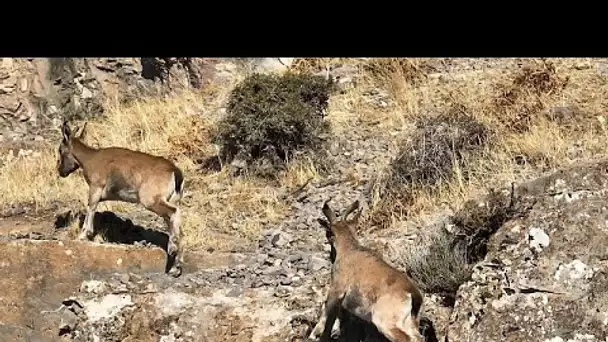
[(271, 118)]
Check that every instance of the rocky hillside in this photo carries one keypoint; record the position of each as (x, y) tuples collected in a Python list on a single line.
[(430, 147)]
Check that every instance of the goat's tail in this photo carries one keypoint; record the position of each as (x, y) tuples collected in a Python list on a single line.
[(179, 181)]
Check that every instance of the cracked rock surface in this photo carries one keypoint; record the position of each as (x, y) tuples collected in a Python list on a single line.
[(545, 277)]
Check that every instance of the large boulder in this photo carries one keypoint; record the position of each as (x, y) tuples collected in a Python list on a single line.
[(37, 275), (545, 276)]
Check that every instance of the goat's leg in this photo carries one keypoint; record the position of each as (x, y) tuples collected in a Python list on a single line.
[(175, 236), (88, 230), (396, 322), (411, 328), (328, 317), (172, 216)]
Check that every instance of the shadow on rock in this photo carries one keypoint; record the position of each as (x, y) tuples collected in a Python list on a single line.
[(354, 329), (114, 229)]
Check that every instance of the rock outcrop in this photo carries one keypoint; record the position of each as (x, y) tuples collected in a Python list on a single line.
[(545, 275), (36, 94), (38, 275)]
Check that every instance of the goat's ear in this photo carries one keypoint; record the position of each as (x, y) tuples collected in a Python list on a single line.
[(65, 131), (331, 216), (357, 216), (324, 223), (82, 133), (354, 206)]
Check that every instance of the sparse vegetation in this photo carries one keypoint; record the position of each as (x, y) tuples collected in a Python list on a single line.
[(270, 119), (411, 70), (446, 261), (440, 266), (438, 147), (524, 98)]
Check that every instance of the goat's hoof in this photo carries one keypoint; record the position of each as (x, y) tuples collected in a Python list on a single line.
[(171, 249), (314, 335), (85, 236), (175, 271)]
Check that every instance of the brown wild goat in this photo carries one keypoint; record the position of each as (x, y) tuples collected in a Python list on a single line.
[(120, 174), (366, 286)]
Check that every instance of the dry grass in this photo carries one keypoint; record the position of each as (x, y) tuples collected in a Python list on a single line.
[(514, 102)]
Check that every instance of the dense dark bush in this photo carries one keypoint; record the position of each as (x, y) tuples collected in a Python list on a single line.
[(437, 145), (428, 158), (270, 118)]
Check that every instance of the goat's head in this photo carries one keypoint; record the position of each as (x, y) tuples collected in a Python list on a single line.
[(66, 162), (332, 223)]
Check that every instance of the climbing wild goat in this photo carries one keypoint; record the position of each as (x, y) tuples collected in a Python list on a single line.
[(366, 286), (120, 174)]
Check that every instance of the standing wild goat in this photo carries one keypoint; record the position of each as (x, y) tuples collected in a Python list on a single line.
[(366, 286), (119, 174)]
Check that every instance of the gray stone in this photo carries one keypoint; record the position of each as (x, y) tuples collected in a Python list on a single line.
[(538, 239), (316, 263), (280, 239)]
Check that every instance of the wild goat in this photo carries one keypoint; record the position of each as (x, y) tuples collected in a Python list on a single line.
[(366, 286), (120, 174)]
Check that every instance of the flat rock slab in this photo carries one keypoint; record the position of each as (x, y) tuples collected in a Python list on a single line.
[(37, 275)]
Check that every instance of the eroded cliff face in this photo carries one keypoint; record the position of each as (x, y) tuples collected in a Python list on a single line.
[(545, 275), (36, 94)]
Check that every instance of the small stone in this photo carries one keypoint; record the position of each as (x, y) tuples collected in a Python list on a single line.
[(281, 292), (234, 292), (538, 239), (125, 278), (38, 138), (6, 88), (316, 264), (281, 239), (296, 281), (23, 85), (92, 286), (294, 258), (168, 338)]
